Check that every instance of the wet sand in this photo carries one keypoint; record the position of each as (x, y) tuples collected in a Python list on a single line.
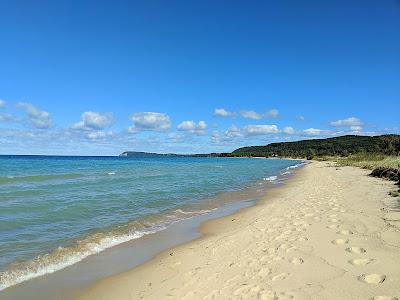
[(329, 233)]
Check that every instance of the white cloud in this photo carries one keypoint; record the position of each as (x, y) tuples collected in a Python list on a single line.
[(149, 121), (191, 126), (91, 120), (352, 121), (187, 125), (2, 103), (251, 114), (226, 137), (221, 112), (273, 113), (313, 131), (288, 130), (202, 125), (39, 118), (356, 128), (261, 129), (301, 118)]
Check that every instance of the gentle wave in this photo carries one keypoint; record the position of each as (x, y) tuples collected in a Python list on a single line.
[(66, 256), (296, 166), (37, 178)]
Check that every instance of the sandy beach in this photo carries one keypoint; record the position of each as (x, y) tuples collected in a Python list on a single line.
[(328, 233)]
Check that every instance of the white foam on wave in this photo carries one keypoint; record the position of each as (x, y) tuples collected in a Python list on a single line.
[(194, 213), (13, 277), (111, 173), (296, 166), (47, 264), (270, 178)]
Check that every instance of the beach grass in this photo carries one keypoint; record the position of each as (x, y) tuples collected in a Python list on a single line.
[(369, 161)]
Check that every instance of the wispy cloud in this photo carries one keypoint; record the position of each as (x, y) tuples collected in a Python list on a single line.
[(273, 113), (38, 118), (9, 118), (95, 135), (251, 114), (221, 112), (2, 103), (313, 131), (149, 121), (352, 121), (233, 132)]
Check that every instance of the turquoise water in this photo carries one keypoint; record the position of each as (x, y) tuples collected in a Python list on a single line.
[(55, 211)]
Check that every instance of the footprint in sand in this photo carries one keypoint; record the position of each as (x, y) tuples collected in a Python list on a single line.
[(332, 226), (356, 250), (345, 232), (296, 260), (270, 295), (372, 278), (277, 258), (384, 298), (281, 276), (264, 272), (340, 241), (361, 261)]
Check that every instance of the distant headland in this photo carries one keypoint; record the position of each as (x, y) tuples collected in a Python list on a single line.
[(150, 154)]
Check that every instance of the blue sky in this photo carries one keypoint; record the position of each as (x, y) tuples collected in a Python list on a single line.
[(99, 78)]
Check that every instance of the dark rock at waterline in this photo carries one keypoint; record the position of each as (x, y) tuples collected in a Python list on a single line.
[(387, 173)]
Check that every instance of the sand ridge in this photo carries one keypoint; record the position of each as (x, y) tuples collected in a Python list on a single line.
[(330, 233)]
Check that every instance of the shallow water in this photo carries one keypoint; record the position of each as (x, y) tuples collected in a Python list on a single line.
[(55, 211)]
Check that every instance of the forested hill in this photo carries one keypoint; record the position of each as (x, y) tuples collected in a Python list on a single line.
[(336, 146)]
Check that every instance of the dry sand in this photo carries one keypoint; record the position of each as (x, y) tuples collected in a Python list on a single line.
[(329, 233)]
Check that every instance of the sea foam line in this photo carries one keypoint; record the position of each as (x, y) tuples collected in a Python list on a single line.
[(270, 178), (64, 257), (38, 266)]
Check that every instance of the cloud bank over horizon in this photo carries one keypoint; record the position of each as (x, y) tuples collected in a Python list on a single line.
[(98, 133)]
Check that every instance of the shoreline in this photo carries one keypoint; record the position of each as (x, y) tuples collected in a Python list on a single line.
[(231, 259), (186, 231)]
